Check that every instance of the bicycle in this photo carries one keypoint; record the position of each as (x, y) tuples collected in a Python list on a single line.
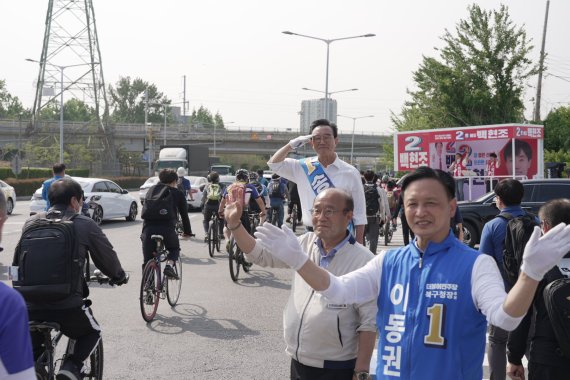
[(236, 258), (387, 232), (153, 286), (46, 366), (254, 221), (294, 217), (274, 219), (213, 235)]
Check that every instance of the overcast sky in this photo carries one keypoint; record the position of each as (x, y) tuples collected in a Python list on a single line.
[(237, 61)]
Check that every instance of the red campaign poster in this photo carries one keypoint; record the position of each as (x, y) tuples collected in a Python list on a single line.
[(437, 149)]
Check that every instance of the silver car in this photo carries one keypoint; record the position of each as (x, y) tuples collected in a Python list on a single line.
[(10, 195)]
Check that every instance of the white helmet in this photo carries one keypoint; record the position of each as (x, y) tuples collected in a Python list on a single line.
[(181, 172)]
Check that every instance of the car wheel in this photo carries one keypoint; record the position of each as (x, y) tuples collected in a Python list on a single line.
[(469, 234), (98, 215), (132, 212), (9, 206)]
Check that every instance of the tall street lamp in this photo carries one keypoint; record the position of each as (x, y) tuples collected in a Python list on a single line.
[(330, 93), (328, 42), (61, 68), (353, 129)]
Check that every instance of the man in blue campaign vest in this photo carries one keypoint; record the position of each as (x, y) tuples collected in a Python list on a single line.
[(434, 295), (326, 170)]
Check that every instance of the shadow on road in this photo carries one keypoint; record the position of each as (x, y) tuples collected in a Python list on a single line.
[(193, 318), (262, 278)]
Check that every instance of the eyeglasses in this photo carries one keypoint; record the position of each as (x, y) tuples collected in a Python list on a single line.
[(324, 138), (327, 213)]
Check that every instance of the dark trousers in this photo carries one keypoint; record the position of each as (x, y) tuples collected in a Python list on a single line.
[(208, 211), (303, 372), (406, 230), (537, 371), (171, 242), (490, 185), (372, 230), (77, 323), (299, 210), (497, 353)]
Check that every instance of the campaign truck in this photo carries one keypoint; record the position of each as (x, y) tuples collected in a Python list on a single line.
[(194, 158), (437, 149)]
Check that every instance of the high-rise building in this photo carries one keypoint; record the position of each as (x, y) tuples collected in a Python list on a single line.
[(314, 109)]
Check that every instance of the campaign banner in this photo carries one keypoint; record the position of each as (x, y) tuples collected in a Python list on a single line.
[(476, 145)]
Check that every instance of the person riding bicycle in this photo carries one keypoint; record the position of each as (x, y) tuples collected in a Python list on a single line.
[(294, 200), (278, 193), (211, 197), (241, 191), (173, 202), (261, 190), (73, 313)]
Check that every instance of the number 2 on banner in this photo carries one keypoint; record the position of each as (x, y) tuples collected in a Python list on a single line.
[(412, 144), (436, 314)]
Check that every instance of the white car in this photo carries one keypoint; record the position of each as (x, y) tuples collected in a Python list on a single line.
[(10, 195), (108, 200), (197, 186)]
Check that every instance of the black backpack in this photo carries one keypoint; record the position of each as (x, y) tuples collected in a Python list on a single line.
[(371, 196), (557, 301), (275, 190), (519, 230), (159, 204), (47, 257)]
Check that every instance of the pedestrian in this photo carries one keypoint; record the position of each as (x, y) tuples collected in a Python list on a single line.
[(326, 170), (377, 209), (262, 179), (457, 169), (16, 358), (545, 361), (434, 296), (508, 196), (58, 172), (294, 200), (325, 340), (407, 232), (278, 194)]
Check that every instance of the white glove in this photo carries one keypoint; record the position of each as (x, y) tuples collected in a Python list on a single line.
[(283, 244), (298, 142), (542, 253)]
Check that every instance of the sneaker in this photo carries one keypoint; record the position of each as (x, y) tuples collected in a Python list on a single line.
[(169, 272), (206, 240), (68, 371)]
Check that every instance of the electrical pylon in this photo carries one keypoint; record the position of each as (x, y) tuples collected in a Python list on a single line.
[(71, 62)]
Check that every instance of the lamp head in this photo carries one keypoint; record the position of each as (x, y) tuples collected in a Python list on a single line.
[(288, 32), (369, 35)]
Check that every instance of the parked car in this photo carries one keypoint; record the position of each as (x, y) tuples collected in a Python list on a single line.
[(109, 200), (10, 195), (536, 192), (197, 186)]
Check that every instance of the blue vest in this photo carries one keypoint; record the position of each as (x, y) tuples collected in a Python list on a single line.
[(428, 325)]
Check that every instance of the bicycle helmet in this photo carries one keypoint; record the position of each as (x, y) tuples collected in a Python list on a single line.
[(385, 178), (253, 177), (181, 172), (242, 175)]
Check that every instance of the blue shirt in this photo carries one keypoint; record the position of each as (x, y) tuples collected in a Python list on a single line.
[(493, 236), (424, 305), (15, 343), (326, 257), (45, 187)]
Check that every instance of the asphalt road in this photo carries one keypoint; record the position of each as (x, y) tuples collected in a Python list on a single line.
[(218, 330)]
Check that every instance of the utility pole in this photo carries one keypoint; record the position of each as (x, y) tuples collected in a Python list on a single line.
[(184, 98), (536, 117)]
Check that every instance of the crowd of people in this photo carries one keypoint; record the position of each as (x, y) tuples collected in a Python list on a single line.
[(426, 306)]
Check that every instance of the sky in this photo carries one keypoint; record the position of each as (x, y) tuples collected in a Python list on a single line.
[(238, 62)]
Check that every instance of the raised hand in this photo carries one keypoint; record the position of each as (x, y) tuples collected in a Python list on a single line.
[(542, 253), (283, 244), (298, 142)]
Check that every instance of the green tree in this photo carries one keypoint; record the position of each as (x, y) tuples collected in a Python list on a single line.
[(128, 103), (479, 77), (557, 129), (10, 106), (77, 110)]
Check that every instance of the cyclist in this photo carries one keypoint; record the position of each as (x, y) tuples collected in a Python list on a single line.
[(241, 191), (277, 194), (294, 200), (211, 197), (157, 225), (73, 314), (261, 190)]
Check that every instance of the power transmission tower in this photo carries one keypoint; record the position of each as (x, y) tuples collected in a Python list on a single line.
[(71, 63)]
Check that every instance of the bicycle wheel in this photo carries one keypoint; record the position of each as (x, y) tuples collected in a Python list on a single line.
[(246, 266), (234, 260), (149, 293), (274, 216), (217, 234), (387, 233), (93, 368), (211, 241), (174, 285), (294, 218)]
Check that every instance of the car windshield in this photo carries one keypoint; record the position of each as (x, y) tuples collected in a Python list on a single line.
[(168, 165), (222, 170)]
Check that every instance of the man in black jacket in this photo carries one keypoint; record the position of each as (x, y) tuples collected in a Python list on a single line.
[(73, 314), (166, 228), (546, 361)]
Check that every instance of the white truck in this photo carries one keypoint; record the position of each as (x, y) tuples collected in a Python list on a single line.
[(193, 158)]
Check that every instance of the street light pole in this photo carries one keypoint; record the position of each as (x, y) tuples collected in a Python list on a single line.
[(330, 93), (353, 130), (328, 42), (61, 68)]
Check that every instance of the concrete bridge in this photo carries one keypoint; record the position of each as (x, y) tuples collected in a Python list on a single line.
[(238, 140)]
